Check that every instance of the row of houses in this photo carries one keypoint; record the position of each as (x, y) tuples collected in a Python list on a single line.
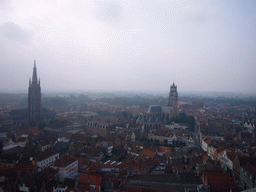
[(238, 163)]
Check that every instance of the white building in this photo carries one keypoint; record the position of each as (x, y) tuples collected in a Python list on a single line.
[(249, 126), (67, 167), (176, 126), (205, 144), (226, 161), (45, 159), (171, 139)]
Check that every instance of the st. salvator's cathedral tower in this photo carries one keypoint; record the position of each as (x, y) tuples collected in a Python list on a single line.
[(157, 115)]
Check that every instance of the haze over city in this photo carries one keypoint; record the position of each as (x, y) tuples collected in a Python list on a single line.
[(128, 45)]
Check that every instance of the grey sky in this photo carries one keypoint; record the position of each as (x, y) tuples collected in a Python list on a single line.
[(129, 45)]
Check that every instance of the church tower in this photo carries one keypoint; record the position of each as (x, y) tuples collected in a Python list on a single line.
[(34, 98), (173, 99)]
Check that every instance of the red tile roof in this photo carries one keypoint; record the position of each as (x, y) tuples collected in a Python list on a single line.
[(205, 158), (106, 166), (202, 151), (243, 160), (162, 149), (90, 179), (84, 188), (64, 161), (220, 149), (135, 168), (148, 153), (232, 155), (81, 160), (218, 181)]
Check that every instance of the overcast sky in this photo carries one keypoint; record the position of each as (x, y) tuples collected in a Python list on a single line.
[(129, 45)]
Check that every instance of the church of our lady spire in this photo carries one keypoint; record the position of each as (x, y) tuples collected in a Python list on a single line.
[(34, 98)]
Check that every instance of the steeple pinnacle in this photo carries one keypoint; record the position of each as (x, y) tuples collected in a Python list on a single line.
[(34, 77)]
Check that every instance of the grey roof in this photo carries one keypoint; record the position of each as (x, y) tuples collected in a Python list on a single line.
[(162, 182), (159, 109), (104, 144), (154, 109)]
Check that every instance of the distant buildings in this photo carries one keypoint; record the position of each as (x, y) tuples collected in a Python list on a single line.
[(98, 127), (157, 115), (34, 98)]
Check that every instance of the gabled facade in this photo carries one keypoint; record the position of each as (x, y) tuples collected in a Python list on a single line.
[(240, 161), (226, 163), (247, 176), (249, 126), (171, 138)]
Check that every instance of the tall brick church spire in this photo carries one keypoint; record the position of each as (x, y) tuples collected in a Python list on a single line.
[(34, 98), (34, 77)]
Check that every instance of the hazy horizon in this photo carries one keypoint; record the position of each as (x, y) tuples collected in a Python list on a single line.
[(139, 46), (138, 92)]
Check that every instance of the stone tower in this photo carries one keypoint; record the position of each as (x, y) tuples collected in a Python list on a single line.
[(173, 99), (34, 98)]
